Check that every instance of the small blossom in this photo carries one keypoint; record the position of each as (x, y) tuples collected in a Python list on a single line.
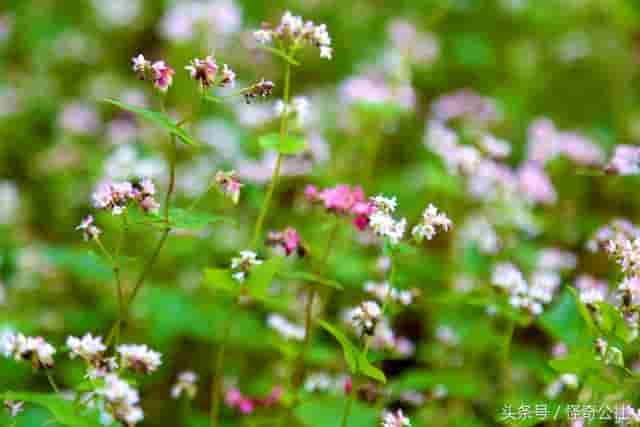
[(395, 419), (88, 347), (383, 292), (14, 407), (625, 160), (293, 31), (365, 317), (262, 89), (230, 184), (205, 71), (34, 349), (285, 328), (89, 231), (431, 220), (187, 384), (159, 73), (122, 400), (289, 239), (243, 264), (139, 358)]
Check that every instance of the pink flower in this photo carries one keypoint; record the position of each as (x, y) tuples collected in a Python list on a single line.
[(535, 184), (311, 192), (233, 397), (348, 385), (246, 406), (626, 160), (289, 239), (163, 76)]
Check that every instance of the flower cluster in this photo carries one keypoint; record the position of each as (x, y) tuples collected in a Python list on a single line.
[(395, 419), (205, 72), (88, 348), (364, 317), (384, 292), (293, 32), (531, 295), (262, 89), (121, 401), (187, 384), (243, 264), (230, 184), (159, 73), (591, 291), (323, 382), (115, 196), (285, 328), (384, 338), (139, 358), (382, 222), (625, 160), (288, 239), (431, 220), (34, 349), (246, 405)]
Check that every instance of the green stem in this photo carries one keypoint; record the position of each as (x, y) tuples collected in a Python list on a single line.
[(276, 170), (299, 370), (216, 383), (354, 389), (506, 349), (52, 382), (163, 238)]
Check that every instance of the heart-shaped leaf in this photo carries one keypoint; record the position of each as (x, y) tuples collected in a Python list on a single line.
[(348, 349)]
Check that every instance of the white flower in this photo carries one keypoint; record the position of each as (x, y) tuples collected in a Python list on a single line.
[(285, 328), (365, 317), (385, 204), (35, 349), (382, 292), (122, 400), (88, 347), (139, 358), (244, 263), (14, 407), (397, 419), (431, 220), (507, 276), (326, 52), (187, 384), (263, 36)]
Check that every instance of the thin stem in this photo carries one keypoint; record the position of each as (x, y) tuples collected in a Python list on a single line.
[(354, 390), (276, 170), (163, 238), (506, 348), (299, 370), (216, 383), (52, 382)]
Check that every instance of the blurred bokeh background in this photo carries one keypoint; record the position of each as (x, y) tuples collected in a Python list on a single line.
[(573, 63)]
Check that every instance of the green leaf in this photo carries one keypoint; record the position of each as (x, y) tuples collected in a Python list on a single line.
[(369, 370), (584, 311), (565, 323), (580, 363), (279, 53), (220, 279), (312, 278), (348, 349), (327, 412), (611, 321), (461, 384), (289, 145), (260, 277), (158, 118), (186, 219), (64, 411)]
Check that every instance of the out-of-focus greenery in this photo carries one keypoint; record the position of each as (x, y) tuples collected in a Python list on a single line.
[(573, 61)]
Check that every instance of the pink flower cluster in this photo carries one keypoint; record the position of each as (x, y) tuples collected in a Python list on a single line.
[(158, 72), (115, 196), (465, 104), (246, 405), (289, 239), (546, 142), (343, 199)]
